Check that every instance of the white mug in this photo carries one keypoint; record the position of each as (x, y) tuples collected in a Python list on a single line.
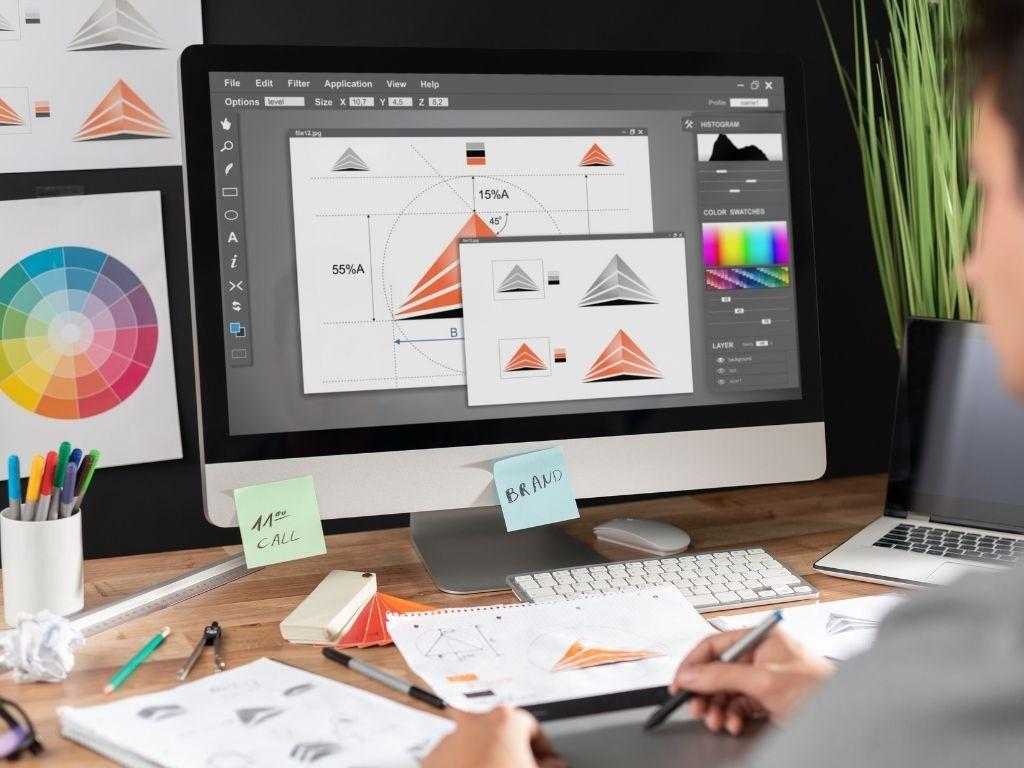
[(42, 565)]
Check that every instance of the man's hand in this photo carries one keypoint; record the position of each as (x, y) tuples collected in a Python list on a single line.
[(771, 681), (503, 738)]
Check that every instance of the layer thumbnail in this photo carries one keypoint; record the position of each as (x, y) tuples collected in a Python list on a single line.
[(525, 359), (439, 291), (596, 156), (115, 25), (583, 655), (622, 360), (350, 161), (9, 115), (746, 244), (122, 114), (617, 284), (517, 281)]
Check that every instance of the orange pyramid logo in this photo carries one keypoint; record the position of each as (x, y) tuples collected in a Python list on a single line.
[(439, 291), (525, 359), (9, 115), (583, 655), (122, 113), (596, 156), (622, 359)]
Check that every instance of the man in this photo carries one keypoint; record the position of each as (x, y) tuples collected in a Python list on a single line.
[(944, 683)]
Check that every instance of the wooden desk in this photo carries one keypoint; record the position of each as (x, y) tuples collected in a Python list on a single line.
[(798, 523)]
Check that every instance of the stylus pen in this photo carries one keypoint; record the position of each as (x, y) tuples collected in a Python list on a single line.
[(382, 677), (746, 643)]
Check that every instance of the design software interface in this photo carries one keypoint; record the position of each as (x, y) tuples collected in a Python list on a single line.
[(400, 249)]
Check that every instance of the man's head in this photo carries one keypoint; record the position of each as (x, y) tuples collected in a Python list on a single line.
[(996, 268)]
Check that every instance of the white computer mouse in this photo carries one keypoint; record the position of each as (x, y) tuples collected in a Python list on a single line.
[(646, 535)]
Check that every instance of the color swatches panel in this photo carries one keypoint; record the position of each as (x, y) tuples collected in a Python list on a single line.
[(78, 332), (741, 278), (746, 244)]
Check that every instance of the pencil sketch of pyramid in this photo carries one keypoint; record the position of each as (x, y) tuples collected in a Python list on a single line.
[(350, 161), (618, 284), (257, 715), (122, 114), (583, 655), (312, 751), (115, 25), (525, 359), (5, 25), (161, 712), (439, 291), (622, 360), (596, 156), (517, 281), (838, 624), (9, 115)]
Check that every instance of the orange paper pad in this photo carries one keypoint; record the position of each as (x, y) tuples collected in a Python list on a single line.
[(370, 627)]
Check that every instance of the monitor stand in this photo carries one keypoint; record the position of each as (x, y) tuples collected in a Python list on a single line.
[(469, 550)]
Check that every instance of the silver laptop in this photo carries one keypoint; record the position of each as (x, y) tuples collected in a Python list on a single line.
[(955, 500)]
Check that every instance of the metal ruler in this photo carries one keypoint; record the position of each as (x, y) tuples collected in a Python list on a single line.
[(160, 596)]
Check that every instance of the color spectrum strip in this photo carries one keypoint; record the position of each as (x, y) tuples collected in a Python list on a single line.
[(739, 278), (746, 244)]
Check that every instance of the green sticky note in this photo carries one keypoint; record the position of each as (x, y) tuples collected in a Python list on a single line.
[(279, 521), (534, 489)]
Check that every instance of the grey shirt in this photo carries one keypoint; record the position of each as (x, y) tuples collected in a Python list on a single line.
[(942, 686)]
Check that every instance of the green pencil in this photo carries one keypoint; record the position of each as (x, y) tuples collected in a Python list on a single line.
[(137, 659)]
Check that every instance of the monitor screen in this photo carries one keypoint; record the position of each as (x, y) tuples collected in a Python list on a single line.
[(418, 248)]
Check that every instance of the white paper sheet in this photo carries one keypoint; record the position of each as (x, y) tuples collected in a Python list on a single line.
[(60, 60), (839, 629), (95, 340), (477, 658), (261, 715)]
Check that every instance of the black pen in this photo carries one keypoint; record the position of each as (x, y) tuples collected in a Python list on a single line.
[(746, 643), (382, 677)]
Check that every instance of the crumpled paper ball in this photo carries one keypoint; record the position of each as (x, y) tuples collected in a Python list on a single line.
[(40, 648)]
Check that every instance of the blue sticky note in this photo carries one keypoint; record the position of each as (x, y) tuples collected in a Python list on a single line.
[(534, 489)]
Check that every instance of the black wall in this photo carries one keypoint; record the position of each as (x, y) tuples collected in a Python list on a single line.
[(158, 507)]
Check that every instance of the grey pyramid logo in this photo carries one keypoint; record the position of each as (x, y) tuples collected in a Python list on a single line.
[(115, 25), (5, 25), (312, 751), (350, 161), (618, 284), (517, 281), (257, 715), (161, 712), (839, 624)]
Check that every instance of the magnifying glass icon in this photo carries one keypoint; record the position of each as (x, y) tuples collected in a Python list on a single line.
[(228, 145)]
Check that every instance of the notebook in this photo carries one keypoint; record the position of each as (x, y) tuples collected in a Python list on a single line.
[(261, 715), (535, 653), (330, 608)]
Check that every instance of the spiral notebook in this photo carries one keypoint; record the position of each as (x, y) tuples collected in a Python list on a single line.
[(534, 653)]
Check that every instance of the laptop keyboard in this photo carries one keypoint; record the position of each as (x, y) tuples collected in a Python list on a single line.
[(961, 545)]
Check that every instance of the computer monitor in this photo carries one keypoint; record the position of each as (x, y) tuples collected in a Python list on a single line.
[(408, 263)]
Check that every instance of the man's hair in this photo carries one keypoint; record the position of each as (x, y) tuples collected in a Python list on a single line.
[(994, 42)]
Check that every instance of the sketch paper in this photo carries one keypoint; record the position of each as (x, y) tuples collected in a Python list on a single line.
[(839, 629), (478, 658), (92, 83), (85, 337), (260, 715)]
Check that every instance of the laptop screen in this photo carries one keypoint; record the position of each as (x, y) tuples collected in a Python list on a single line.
[(958, 443)]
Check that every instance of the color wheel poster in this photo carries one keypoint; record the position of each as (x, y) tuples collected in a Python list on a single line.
[(92, 83), (85, 345)]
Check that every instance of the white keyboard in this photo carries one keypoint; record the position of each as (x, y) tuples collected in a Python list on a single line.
[(711, 581)]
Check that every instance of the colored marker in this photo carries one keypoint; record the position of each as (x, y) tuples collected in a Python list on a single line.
[(63, 454), (76, 456), (84, 469), (14, 487), (136, 660), (67, 493), (46, 487), (35, 479), (88, 476)]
